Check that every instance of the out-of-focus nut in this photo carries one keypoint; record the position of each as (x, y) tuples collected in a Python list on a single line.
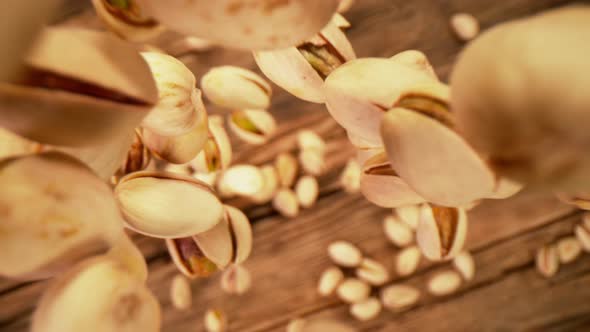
[(408, 260), (399, 297), (286, 203), (269, 187), (465, 26), (464, 263), (217, 152), (568, 249), (353, 290), (236, 88), (330, 280), (236, 280), (350, 178), (417, 60), (252, 126), (126, 19), (215, 320), (286, 166), (397, 232), (547, 261), (441, 231), (308, 139), (345, 254), (444, 283), (307, 191), (366, 310), (312, 161), (244, 180), (180, 292), (372, 272), (408, 214)]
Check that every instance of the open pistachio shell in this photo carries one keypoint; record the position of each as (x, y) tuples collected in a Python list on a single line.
[(381, 185), (217, 152), (269, 186), (252, 25), (434, 160), (359, 92), (237, 88), (189, 259), (217, 244), (179, 101), (101, 86), (98, 295), (125, 19), (291, 69), (244, 180), (12, 145), (44, 203), (528, 109), (415, 59), (241, 231), (138, 156), (167, 205), (441, 231), (252, 126)]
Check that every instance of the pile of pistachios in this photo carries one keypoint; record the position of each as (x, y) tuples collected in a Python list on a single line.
[(98, 137)]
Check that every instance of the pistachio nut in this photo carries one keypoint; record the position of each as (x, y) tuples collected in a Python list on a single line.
[(307, 191), (217, 152), (366, 310), (100, 88), (381, 185), (138, 156), (408, 214), (237, 88), (253, 25), (353, 290), (324, 325), (125, 252), (397, 232), (441, 166), (312, 161), (126, 19), (167, 205), (117, 301), (215, 321), (568, 249), (416, 60), (243, 180), (441, 231), (547, 261), (301, 70), (407, 261), (12, 145), (444, 283), (465, 26), (41, 239), (252, 126), (358, 94), (350, 178), (372, 272), (464, 263), (309, 139), (330, 280), (286, 203), (287, 167), (579, 199), (269, 187), (345, 254), (519, 115), (399, 297), (180, 292), (236, 280)]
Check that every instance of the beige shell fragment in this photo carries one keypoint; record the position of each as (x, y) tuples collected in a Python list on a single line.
[(236, 88)]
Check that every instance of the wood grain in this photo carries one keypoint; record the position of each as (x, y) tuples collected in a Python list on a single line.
[(289, 255)]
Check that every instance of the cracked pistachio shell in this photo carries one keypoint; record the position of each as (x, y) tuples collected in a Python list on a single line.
[(359, 92), (269, 187), (167, 205), (217, 151), (429, 155), (99, 88), (416, 60), (243, 24), (441, 231), (290, 70), (190, 259), (179, 101), (19, 30), (216, 244), (252, 126), (236, 280), (128, 22), (531, 120), (117, 301), (12, 145), (138, 156), (45, 221), (128, 254), (236, 88), (182, 148), (381, 185), (244, 180), (241, 233)]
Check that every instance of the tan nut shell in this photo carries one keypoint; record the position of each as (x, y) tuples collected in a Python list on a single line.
[(242, 233), (529, 111), (263, 121), (65, 118), (216, 244), (431, 231), (251, 25), (236, 88), (117, 301), (44, 202), (221, 140), (289, 69), (167, 205), (415, 59), (386, 189), (126, 30)]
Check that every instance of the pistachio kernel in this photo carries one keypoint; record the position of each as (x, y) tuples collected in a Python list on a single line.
[(193, 258), (324, 59), (241, 120)]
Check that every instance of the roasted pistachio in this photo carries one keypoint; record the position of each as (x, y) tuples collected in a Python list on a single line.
[(312, 161), (269, 187), (307, 191), (215, 320), (408, 214), (465, 26), (236, 280), (252, 126), (126, 19), (286, 203), (568, 249), (350, 178), (237, 88), (381, 185), (372, 272), (217, 152), (366, 310), (463, 262), (125, 252), (441, 231), (287, 167), (308, 139), (345, 254), (138, 157), (530, 120), (397, 231), (301, 70), (444, 283), (399, 297), (353, 290), (117, 301), (244, 180), (330, 280), (167, 205), (56, 230), (407, 260), (547, 261), (97, 90)]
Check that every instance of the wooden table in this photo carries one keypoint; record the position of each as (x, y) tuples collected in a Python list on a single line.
[(507, 294)]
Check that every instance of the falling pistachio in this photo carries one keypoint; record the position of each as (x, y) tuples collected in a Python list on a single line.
[(237, 88), (244, 180), (217, 152), (126, 19), (138, 157), (441, 231), (269, 187), (252, 126), (415, 59)]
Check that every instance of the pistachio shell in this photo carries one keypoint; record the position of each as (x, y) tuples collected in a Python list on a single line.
[(216, 244), (245, 180), (416, 60), (441, 231), (12, 145), (521, 115), (269, 187), (217, 151), (138, 156), (189, 258), (308, 139), (381, 185), (252, 126), (242, 233), (287, 168), (45, 221), (79, 97), (167, 205), (137, 30), (254, 25), (128, 254), (117, 301), (237, 88)]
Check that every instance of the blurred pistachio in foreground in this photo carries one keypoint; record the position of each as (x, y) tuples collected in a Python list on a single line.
[(381, 185), (372, 272), (253, 25), (465, 26), (397, 232), (99, 88), (167, 205), (201, 255), (444, 283), (217, 151), (312, 161), (353, 290), (408, 214), (301, 70), (399, 297), (39, 240), (237, 88), (345, 254), (269, 187), (441, 231), (307, 191), (330, 280), (252, 126), (532, 121), (366, 310), (236, 280), (126, 19), (117, 302), (243, 180)]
